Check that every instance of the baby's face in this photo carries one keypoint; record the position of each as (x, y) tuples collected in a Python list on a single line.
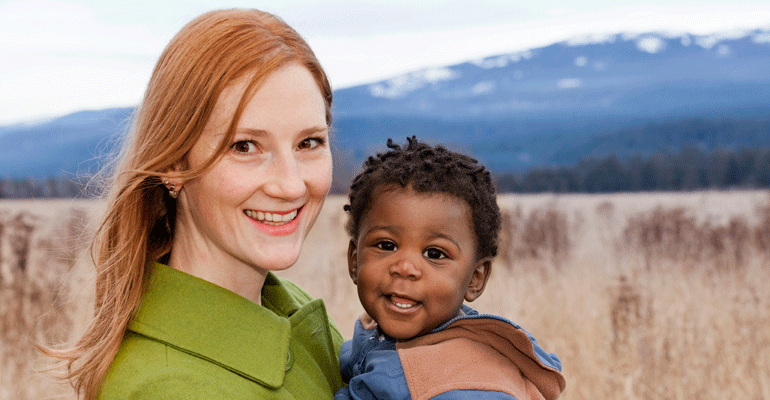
[(414, 260)]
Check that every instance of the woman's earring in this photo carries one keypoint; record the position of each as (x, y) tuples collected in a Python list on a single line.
[(172, 190)]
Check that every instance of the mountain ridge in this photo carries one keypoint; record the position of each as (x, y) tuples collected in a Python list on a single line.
[(513, 111), (543, 80)]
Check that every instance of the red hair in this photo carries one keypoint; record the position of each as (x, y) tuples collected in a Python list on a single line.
[(206, 56)]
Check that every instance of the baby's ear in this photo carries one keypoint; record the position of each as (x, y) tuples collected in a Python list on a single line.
[(353, 261), (479, 279)]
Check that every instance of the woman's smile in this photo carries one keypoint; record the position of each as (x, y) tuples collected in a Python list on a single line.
[(272, 218), (275, 223)]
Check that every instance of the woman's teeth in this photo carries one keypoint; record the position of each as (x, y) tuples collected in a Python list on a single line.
[(270, 218)]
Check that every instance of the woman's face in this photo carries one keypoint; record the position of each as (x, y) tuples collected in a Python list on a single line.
[(255, 206)]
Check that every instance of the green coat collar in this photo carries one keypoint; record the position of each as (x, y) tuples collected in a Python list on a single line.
[(186, 312)]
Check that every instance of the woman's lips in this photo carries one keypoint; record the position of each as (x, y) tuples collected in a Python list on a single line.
[(275, 223), (271, 218)]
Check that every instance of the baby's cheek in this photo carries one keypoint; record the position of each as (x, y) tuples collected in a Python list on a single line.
[(449, 296)]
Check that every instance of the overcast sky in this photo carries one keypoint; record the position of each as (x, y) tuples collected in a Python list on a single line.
[(64, 56)]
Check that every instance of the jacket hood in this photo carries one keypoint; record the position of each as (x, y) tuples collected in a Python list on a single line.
[(541, 369)]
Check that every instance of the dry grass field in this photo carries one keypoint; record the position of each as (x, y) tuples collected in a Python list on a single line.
[(643, 296)]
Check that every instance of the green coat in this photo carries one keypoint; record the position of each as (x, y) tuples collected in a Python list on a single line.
[(194, 340)]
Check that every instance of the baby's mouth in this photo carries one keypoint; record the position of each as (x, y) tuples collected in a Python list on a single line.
[(273, 218), (401, 302)]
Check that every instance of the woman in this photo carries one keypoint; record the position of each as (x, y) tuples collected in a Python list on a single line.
[(224, 174)]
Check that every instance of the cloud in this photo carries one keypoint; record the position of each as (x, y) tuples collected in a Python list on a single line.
[(61, 56), (102, 52)]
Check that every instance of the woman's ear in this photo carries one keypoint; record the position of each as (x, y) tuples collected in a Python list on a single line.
[(479, 279), (353, 261)]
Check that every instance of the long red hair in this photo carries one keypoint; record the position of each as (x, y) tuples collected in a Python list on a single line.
[(208, 54)]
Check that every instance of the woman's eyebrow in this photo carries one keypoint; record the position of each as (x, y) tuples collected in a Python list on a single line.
[(315, 129), (262, 132), (252, 131)]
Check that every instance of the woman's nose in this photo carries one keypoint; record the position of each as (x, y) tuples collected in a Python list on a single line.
[(406, 268), (285, 178)]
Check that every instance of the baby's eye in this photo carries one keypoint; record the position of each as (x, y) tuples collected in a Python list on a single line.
[(386, 245), (244, 146), (310, 143), (434, 254)]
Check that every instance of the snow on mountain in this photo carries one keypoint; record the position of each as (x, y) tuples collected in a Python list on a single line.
[(484, 102), (761, 38), (503, 61), (651, 44), (399, 86), (613, 74)]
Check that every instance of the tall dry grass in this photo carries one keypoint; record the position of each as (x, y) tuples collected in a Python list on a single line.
[(663, 300), (39, 245), (655, 296)]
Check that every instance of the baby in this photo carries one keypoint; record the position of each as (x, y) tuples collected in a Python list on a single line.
[(424, 223)]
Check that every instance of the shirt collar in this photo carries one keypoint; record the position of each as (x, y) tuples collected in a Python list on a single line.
[(217, 325)]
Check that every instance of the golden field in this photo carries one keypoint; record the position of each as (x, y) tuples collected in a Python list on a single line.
[(642, 296)]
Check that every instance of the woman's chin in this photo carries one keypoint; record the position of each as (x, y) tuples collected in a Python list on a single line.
[(277, 260)]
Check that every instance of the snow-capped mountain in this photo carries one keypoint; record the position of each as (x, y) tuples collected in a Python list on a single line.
[(622, 74), (546, 105)]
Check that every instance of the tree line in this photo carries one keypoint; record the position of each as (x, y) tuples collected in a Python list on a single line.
[(53, 187), (689, 169)]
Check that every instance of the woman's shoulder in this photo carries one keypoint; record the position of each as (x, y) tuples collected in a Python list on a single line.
[(146, 369)]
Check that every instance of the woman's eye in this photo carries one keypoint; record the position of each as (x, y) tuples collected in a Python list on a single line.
[(386, 246), (434, 254), (310, 143), (244, 146)]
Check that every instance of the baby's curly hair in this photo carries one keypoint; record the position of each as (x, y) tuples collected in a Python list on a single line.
[(430, 169)]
